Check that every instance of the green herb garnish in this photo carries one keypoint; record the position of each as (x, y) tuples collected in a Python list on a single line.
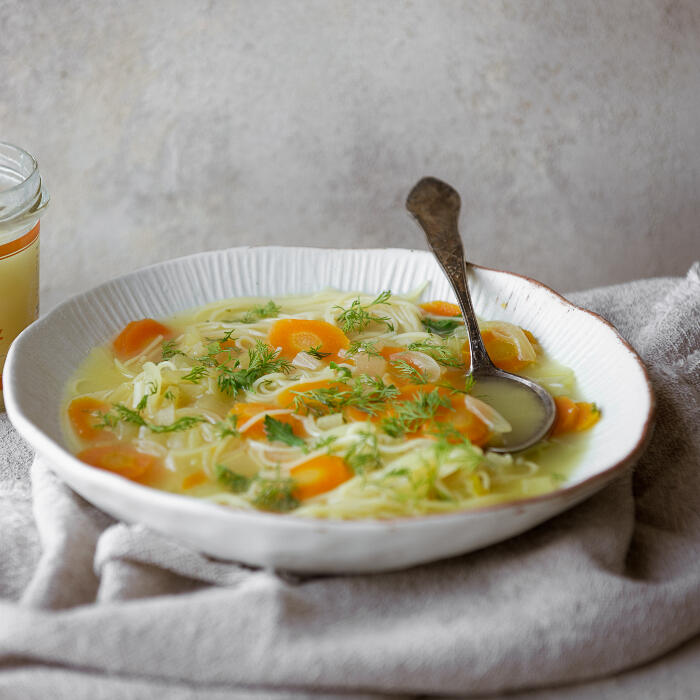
[(169, 350), (228, 427), (128, 415), (342, 373), (366, 346), (196, 374), (411, 414), (441, 326), (357, 317), (409, 371), (275, 494), (439, 352), (369, 394), (262, 360), (277, 431), (363, 455), (232, 480), (270, 310), (151, 389), (316, 352)]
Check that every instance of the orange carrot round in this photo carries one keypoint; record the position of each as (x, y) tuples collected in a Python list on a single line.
[(588, 416), (319, 475), (122, 459), (82, 413), (464, 421), (502, 351), (137, 336), (196, 479), (388, 350), (440, 308), (246, 411), (567, 415), (295, 335)]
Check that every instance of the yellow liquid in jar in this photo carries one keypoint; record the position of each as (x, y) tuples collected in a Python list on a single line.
[(19, 289)]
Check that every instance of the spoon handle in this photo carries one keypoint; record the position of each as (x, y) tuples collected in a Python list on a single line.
[(435, 205)]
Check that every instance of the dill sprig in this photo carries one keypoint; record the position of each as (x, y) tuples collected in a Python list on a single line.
[(368, 394), (106, 420), (342, 373), (366, 346), (228, 427), (151, 389), (438, 351), (231, 380), (468, 385), (411, 414), (276, 494), (270, 310), (363, 455), (277, 431), (196, 374), (316, 352), (409, 371), (128, 415), (169, 349), (323, 442), (441, 326), (233, 481), (357, 317)]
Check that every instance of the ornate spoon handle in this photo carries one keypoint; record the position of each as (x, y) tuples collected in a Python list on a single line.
[(435, 205)]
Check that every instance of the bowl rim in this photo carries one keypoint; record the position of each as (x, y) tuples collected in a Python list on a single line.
[(45, 445)]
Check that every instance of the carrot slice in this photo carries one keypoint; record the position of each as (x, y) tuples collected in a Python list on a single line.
[(319, 475), (502, 351), (82, 413), (122, 459), (463, 420), (189, 482), (588, 416), (530, 337), (296, 335), (246, 411), (355, 415), (567, 415), (388, 350), (137, 336), (441, 308)]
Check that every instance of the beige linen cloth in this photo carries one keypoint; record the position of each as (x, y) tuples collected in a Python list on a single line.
[(93, 608)]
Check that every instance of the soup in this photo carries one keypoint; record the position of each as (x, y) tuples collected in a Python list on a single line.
[(333, 405)]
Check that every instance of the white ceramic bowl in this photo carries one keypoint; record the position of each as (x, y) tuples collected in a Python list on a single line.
[(46, 354)]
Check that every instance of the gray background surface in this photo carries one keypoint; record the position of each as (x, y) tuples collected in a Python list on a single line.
[(165, 128)]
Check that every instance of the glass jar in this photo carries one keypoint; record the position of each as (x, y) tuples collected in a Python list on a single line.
[(22, 200)]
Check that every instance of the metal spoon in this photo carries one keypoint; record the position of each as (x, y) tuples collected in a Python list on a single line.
[(526, 405)]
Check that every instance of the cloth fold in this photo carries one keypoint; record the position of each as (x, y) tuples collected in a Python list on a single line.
[(610, 584)]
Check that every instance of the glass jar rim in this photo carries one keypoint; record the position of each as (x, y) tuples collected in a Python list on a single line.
[(26, 197)]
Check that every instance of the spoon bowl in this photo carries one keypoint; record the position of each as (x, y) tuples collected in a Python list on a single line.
[(526, 405)]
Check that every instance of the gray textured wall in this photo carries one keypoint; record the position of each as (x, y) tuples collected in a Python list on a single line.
[(163, 128)]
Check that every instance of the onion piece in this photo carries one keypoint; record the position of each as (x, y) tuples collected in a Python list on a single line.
[(373, 365), (526, 353), (493, 420), (305, 361), (425, 364)]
